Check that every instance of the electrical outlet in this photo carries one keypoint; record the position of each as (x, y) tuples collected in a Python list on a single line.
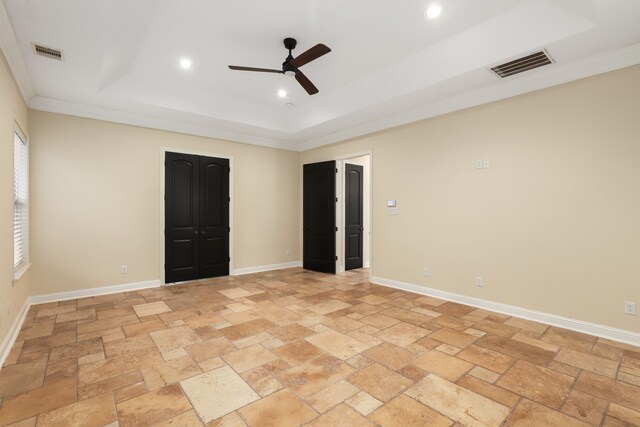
[(479, 164), (288, 252), (479, 281), (630, 308), (485, 164), (124, 269), (426, 272)]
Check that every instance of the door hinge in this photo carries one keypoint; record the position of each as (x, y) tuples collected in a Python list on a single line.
[(229, 259), (336, 170), (229, 198), (229, 169), (229, 229), (336, 258), (336, 228), (336, 200)]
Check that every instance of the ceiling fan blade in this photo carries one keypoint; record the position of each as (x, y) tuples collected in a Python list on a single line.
[(306, 83), (260, 70), (314, 53)]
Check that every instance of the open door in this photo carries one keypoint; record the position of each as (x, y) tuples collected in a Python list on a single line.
[(354, 218), (319, 217)]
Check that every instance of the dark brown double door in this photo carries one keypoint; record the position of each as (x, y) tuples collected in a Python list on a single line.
[(196, 217), (319, 217)]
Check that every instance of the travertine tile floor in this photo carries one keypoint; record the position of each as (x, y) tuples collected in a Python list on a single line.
[(293, 347)]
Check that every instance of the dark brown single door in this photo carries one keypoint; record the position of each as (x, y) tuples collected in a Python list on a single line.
[(353, 219), (196, 217), (319, 217)]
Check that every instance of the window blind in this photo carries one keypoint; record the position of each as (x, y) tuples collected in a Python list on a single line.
[(20, 202)]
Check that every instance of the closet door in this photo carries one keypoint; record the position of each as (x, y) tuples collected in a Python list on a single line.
[(196, 217), (214, 217), (182, 232), (319, 217)]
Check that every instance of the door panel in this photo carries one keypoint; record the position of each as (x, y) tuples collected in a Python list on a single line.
[(196, 217), (319, 217), (214, 217), (181, 217), (354, 218)]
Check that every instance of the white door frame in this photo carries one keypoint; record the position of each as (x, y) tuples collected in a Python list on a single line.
[(163, 151), (340, 162)]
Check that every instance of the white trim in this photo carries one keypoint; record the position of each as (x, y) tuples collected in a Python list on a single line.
[(145, 120), (17, 274), (10, 339), (92, 292), (163, 151), (261, 268), (597, 330), (544, 78), (11, 50)]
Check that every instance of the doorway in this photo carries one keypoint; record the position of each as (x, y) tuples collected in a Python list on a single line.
[(324, 199), (196, 208)]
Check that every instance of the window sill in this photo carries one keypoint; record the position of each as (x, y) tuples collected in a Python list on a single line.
[(17, 274)]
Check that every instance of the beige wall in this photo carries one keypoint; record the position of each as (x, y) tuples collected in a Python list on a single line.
[(553, 225), (12, 109), (96, 201)]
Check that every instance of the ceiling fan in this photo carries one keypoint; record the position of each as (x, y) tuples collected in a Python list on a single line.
[(291, 65)]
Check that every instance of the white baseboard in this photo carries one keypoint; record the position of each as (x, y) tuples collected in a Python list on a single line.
[(595, 329), (10, 339), (261, 268), (92, 292)]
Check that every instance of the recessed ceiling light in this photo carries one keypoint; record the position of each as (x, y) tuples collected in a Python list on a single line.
[(186, 63), (433, 11), (282, 93)]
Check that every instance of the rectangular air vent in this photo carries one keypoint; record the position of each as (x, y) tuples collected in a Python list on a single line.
[(520, 65), (48, 52)]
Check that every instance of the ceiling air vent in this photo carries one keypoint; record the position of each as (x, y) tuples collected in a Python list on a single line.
[(48, 52), (520, 65)]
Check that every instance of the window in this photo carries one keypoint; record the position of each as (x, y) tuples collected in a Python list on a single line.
[(20, 204)]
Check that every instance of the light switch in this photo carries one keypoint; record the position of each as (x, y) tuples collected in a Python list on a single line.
[(391, 203)]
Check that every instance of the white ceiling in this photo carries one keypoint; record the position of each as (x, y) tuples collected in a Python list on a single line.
[(388, 65)]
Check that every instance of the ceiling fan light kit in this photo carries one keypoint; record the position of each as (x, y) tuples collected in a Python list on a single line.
[(291, 66)]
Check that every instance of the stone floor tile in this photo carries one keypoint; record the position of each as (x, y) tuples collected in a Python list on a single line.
[(331, 396), (172, 338), (531, 414), (337, 344), (537, 383), (403, 334), (364, 403), (404, 411), (380, 382), (585, 407), (443, 365), (390, 355), (249, 358), (153, 407), (281, 409), (149, 309), (588, 362), (217, 393), (457, 403), (341, 415), (95, 412)]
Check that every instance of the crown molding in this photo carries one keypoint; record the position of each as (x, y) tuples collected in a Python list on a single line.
[(544, 78), (554, 75), (53, 105), (9, 46)]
